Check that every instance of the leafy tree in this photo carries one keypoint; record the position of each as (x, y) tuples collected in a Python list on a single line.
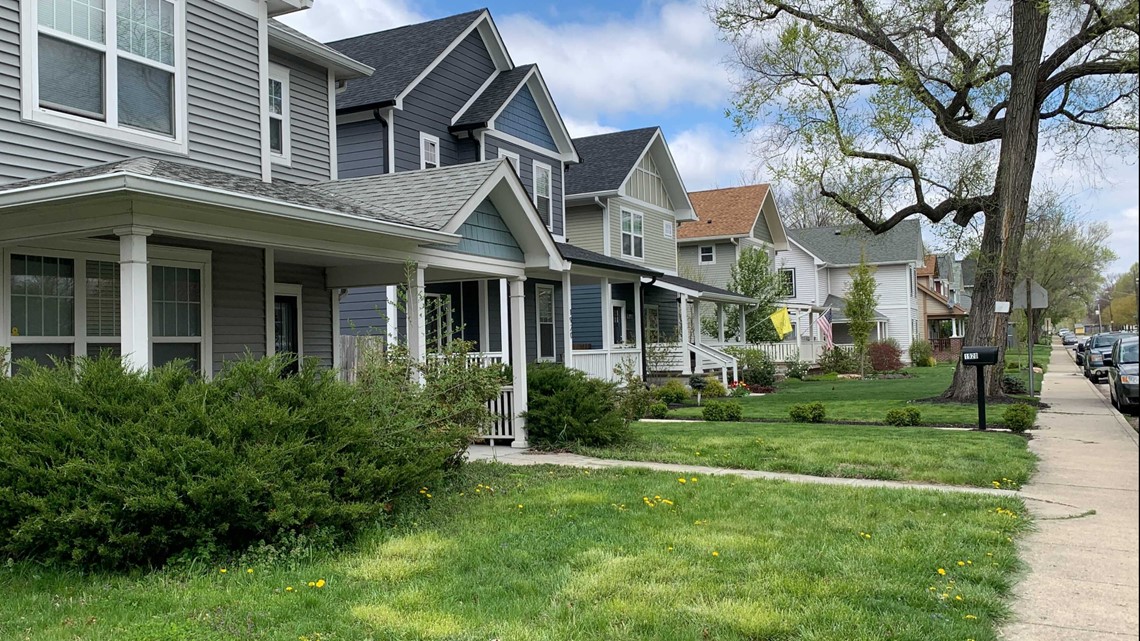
[(860, 308), (754, 277), (802, 208), (936, 108), (1122, 303)]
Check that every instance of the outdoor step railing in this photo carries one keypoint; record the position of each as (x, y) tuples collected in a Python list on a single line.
[(502, 425), (600, 363)]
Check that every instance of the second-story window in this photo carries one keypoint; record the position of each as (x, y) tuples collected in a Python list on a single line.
[(707, 254), (429, 151), (632, 234), (513, 158), (108, 62), (668, 229), (787, 283), (542, 193), (279, 135)]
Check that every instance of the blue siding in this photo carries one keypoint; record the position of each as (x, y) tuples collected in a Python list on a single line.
[(521, 118), (526, 174), (485, 234), (431, 105), (586, 316), (360, 148)]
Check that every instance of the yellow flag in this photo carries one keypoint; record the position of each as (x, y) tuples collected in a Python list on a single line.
[(783, 322)]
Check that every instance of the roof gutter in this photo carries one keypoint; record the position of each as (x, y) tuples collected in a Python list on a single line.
[(345, 67), (383, 104)]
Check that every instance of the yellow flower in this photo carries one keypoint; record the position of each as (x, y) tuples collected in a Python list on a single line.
[(520, 506), (288, 588), (715, 553), (670, 548), (958, 597), (223, 570), (942, 571), (312, 584), (961, 563), (320, 583), (970, 617), (249, 571), (682, 481), (694, 479)]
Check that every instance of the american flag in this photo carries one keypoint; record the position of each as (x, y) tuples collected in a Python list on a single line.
[(824, 323)]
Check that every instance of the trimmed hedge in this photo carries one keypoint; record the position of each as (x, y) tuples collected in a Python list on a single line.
[(673, 391), (903, 417), (722, 411), (567, 407), (813, 412), (1019, 417)]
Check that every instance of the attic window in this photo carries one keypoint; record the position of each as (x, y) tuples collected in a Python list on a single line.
[(429, 151)]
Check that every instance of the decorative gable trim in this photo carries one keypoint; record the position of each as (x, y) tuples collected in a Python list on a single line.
[(542, 98), (670, 175)]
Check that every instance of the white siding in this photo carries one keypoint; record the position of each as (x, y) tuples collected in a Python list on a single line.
[(895, 301), (807, 286)]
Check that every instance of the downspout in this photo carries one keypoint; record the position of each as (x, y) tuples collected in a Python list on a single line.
[(384, 145), (644, 354)]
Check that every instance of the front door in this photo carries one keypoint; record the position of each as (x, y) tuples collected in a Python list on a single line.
[(619, 323), (286, 328)]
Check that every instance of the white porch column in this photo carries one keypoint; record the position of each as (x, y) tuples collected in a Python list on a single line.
[(417, 317), (799, 340), (518, 343), (699, 368), (607, 324), (504, 322), (567, 330), (742, 332), (720, 323), (392, 314), (686, 368), (637, 333), (134, 302), (484, 318)]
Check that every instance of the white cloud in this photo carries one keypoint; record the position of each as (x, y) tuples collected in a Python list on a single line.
[(336, 19), (665, 56), (709, 157), (581, 128)]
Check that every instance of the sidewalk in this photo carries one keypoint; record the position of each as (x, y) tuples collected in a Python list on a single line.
[(1081, 583)]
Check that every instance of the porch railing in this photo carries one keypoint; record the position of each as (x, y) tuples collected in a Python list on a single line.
[(502, 425), (600, 363), (711, 358), (354, 350)]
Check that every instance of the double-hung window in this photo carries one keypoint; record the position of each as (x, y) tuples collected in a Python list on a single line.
[(667, 229), (542, 193), (108, 67), (278, 98), (632, 234), (513, 158), (429, 151), (787, 282), (544, 300), (707, 254)]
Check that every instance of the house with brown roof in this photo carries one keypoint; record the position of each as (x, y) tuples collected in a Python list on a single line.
[(729, 221), (942, 320)]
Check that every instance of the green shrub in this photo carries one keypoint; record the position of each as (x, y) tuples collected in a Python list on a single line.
[(112, 469), (738, 389), (885, 355), (921, 353), (658, 410), (930, 362), (1014, 385), (756, 367), (565, 406), (722, 411), (839, 360), (3, 360), (813, 412), (634, 396), (902, 417), (715, 389), (673, 391), (798, 369), (1019, 417)]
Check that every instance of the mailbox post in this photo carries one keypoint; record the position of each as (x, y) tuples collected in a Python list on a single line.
[(979, 357)]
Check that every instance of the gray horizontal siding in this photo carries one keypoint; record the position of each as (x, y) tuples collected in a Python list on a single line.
[(360, 148), (667, 307), (522, 119), (362, 312), (431, 105), (526, 175), (308, 122), (486, 234), (717, 274), (223, 103), (316, 309), (585, 228)]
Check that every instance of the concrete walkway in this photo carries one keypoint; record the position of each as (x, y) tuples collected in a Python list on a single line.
[(1082, 582), (526, 457)]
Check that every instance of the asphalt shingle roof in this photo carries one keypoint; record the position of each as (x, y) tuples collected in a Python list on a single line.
[(606, 160), (576, 254), (399, 55), (724, 212), (838, 304), (843, 245), (698, 286), (491, 100), (969, 271), (427, 198), (285, 192)]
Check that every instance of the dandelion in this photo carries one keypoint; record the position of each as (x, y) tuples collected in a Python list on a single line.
[(941, 571), (249, 571), (288, 588), (694, 479), (222, 571), (961, 564), (715, 553), (970, 617), (320, 583), (520, 506), (682, 481), (958, 597), (670, 548), (312, 584)]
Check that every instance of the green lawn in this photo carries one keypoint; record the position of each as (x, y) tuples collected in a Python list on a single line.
[(1019, 355), (905, 454), (565, 554)]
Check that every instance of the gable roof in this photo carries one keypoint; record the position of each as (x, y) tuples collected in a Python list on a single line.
[(943, 300), (493, 98), (606, 160), (401, 56), (969, 270), (287, 39), (724, 212), (844, 245), (838, 304), (929, 266), (580, 256)]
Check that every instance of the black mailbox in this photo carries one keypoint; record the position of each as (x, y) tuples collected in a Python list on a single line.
[(979, 357)]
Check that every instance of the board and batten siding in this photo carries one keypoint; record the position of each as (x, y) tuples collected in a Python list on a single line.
[(717, 273), (522, 119), (527, 158), (224, 102), (429, 107), (360, 148), (308, 122), (660, 252), (585, 228), (316, 309)]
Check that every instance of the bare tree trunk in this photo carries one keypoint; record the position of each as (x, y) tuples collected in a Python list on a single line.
[(1004, 232)]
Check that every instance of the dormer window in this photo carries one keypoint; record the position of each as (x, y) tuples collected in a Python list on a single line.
[(107, 67), (429, 151), (542, 192), (278, 97)]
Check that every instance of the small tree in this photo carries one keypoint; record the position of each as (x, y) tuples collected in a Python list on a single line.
[(860, 308), (754, 277)]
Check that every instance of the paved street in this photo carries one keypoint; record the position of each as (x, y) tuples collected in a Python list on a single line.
[(1082, 561)]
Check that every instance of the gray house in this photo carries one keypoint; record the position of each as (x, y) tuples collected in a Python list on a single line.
[(170, 187)]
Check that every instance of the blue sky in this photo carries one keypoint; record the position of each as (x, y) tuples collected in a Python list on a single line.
[(624, 64)]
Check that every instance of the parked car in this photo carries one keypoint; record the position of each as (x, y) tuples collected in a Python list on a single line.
[(1079, 349), (1069, 338), (1098, 347), (1123, 374)]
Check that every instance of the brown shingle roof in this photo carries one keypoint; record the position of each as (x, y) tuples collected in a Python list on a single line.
[(724, 212), (928, 267)]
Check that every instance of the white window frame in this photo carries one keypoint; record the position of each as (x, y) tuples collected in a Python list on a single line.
[(668, 230), (108, 128), (779, 272), (545, 358), (279, 73), (711, 255), (513, 158), (80, 252), (425, 138), (616, 304), (634, 215), (535, 168)]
